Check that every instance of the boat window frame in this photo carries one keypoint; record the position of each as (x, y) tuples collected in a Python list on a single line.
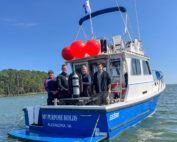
[(80, 63), (148, 67), (136, 72), (111, 69)]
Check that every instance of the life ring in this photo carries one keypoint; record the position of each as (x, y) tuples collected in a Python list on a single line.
[(115, 85)]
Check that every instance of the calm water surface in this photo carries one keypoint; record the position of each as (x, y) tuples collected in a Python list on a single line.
[(160, 127)]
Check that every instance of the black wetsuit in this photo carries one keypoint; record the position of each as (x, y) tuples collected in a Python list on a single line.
[(62, 81), (86, 82)]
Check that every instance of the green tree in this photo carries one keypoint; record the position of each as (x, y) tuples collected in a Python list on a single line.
[(15, 82)]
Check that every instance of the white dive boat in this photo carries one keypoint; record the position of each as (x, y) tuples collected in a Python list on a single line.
[(82, 119)]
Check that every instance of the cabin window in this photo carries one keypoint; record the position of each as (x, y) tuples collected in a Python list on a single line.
[(136, 68), (146, 68), (115, 68), (78, 66), (93, 68)]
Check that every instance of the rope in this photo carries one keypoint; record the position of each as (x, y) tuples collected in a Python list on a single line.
[(95, 127), (17, 124), (123, 18), (84, 33), (137, 20), (77, 34)]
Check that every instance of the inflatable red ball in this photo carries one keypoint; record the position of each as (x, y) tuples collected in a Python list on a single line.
[(66, 53), (93, 47), (78, 49)]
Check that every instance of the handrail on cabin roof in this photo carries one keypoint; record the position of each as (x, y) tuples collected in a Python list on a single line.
[(100, 12)]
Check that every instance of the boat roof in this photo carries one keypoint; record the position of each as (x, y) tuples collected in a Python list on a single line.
[(106, 55), (87, 58)]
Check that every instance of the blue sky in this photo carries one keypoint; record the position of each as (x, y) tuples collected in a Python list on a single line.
[(33, 32)]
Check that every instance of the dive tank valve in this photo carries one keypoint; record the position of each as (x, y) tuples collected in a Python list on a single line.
[(75, 85), (55, 102)]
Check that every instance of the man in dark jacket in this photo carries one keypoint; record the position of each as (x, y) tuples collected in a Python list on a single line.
[(86, 82), (101, 81), (62, 81), (50, 85)]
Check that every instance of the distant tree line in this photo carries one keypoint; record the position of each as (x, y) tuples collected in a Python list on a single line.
[(16, 82)]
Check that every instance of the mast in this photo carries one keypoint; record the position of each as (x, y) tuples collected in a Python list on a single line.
[(91, 24), (88, 10)]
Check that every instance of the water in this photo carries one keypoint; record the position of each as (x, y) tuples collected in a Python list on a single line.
[(11, 113), (160, 127)]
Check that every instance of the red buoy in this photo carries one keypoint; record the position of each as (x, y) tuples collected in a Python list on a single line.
[(78, 49), (93, 47), (66, 53)]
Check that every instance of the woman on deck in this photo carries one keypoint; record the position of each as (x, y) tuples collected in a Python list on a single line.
[(50, 85)]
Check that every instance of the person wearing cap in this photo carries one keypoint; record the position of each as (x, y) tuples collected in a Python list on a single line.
[(62, 83), (50, 85)]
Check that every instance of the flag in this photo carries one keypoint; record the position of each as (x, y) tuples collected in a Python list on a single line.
[(87, 7)]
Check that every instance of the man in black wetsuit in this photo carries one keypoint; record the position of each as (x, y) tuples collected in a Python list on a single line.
[(62, 81), (86, 82)]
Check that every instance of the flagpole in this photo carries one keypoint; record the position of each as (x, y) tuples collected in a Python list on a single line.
[(91, 23)]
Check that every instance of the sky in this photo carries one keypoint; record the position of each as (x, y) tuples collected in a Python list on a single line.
[(34, 32)]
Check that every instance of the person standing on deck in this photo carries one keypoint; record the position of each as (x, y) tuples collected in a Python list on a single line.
[(101, 81), (62, 81), (86, 82), (50, 85)]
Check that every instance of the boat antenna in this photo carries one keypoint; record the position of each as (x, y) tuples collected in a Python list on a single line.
[(124, 21), (137, 20), (130, 27)]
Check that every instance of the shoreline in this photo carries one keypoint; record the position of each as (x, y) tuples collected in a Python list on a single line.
[(34, 93)]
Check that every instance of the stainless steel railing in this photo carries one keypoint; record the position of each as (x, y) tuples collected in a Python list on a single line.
[(158, 79)]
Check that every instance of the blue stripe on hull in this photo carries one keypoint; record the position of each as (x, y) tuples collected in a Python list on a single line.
[(121, 119)]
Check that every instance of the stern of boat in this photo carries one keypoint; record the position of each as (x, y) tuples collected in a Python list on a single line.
[(56, 123)]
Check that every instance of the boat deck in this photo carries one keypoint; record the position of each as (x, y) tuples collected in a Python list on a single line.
[(104, 108), (27, 134)]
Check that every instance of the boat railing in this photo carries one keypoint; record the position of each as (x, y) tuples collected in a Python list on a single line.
[(158, 79)]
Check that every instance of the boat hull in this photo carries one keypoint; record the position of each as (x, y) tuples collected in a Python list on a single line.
[(129, 116), (87, 125)]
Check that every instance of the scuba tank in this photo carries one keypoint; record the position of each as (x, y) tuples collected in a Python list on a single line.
[(75, 85)]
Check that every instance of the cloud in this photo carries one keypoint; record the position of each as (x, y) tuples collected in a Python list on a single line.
[(8, 20), (16, 22), (25, 24)]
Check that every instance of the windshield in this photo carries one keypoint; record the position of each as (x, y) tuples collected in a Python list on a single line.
[(78, 66), (115, 68)]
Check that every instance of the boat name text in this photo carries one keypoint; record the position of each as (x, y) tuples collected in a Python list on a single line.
[(60, 117)]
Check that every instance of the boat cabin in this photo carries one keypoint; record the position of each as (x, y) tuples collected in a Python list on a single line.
[(124, 61)]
